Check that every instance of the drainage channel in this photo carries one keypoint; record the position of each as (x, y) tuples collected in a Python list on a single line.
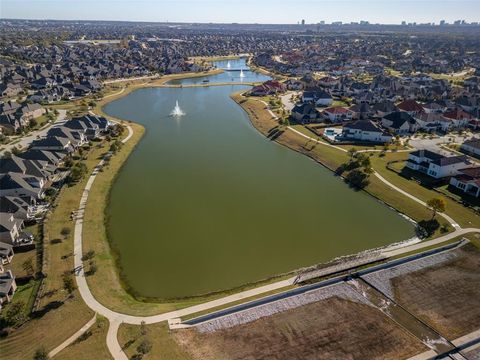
[(405, 319)]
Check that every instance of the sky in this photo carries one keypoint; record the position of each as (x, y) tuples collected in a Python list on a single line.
[(245, 11)]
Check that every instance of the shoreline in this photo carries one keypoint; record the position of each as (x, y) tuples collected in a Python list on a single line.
[(176, 303), (259, 126), (154, 305)]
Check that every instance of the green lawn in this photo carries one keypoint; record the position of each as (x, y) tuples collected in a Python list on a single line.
[(164, 346)]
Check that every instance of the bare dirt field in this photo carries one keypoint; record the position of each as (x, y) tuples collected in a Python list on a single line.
[(334, 328), (445, 296)]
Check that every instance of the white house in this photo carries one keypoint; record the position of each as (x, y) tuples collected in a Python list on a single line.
[(338, 114), (436, 165), (365, 130)]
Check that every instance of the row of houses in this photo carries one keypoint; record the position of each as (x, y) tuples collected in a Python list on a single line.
[(24, 180)]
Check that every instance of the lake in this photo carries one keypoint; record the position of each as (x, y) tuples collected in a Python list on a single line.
[(206, 203)]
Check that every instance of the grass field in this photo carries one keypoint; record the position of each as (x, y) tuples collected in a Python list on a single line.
[(54, 324), (90, 346), (164, 345)]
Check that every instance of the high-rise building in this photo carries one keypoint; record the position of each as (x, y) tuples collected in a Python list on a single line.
[(303, 22)]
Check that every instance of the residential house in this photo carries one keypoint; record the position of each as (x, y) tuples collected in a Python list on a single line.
[(471, 146), (432, 121), (9, 89), (9, 107), (10, 124), (8, 287), (437, 165), (16, 184), (383, 108), (269, 87), (305, 113), (53, 143), (10, 228), (365, 130), (319, 97), (30, 111), (460, 118), (399, 123), (20, 207), (6, 253), (410, 106), (468, 181), (338, 114), (53, 158), (17, 164), (76, 137)]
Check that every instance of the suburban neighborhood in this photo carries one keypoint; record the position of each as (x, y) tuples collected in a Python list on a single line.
[(216, 190)]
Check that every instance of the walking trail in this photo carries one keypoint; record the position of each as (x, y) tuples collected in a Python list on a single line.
[(116, 318)]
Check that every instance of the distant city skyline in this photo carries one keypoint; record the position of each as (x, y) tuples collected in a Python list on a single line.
[(246, 11)]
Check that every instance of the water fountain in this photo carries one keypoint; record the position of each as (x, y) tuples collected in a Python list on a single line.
[(229, 65), (177, 111), (242, 75)]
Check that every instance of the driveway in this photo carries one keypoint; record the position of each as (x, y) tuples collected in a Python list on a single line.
[(26, 140), (436, 143), (287, 99)]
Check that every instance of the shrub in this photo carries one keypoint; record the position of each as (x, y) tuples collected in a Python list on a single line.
[(145, 347)]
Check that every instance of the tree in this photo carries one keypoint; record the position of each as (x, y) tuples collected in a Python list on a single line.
[(68, 282), (93, 267), (77, 172), (145, 347), (28, 266), (436, 205), (7, 155), (88, 255), (357, 179), (143, 329), (352, 152), (65, 232), (41, 354), (14, 314), (115, 146)]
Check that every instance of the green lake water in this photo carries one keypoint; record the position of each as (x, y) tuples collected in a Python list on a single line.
[(206, 203)]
